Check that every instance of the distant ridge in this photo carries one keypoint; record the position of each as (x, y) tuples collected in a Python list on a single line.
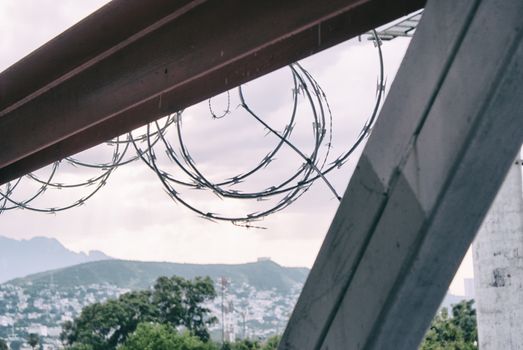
[(20, 258), (140, 275)]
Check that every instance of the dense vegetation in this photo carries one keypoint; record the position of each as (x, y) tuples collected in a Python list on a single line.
[(170, 316), (151, 336), (174, 302), (453, 332), (457, 331)]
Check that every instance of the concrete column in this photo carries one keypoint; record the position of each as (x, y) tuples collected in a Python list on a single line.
[(498, 269)]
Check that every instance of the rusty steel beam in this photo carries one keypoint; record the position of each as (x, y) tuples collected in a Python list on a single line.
[(132, 62)]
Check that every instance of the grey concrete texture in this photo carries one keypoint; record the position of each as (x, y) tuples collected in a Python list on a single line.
[(445, 138), (498, 269)]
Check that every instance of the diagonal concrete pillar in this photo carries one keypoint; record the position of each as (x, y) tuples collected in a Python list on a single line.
[(446, 136), (498, 269)]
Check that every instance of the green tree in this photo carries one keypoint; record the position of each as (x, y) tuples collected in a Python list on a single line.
[(67, 336), (456, 332), (180, 303), (79, 347), (3, 345), (154, 336), (174, 301), (246, 344), (272, 343), (105, 325), (33, 340), (464, 317)]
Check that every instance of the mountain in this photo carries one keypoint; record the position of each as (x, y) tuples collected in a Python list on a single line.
[(23, 257), (256, 301), (263, 275)]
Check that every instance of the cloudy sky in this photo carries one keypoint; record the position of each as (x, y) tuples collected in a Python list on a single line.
[(133, 218)]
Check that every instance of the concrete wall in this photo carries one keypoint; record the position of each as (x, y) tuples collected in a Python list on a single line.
[(498, 269)]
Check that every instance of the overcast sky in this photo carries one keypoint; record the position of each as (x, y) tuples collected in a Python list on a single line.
[(133, 218)]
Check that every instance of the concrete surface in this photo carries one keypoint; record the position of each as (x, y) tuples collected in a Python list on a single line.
[(498, 269)]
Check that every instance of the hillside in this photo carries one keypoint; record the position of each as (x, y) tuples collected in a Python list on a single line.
[(261, 275), (23, 257)]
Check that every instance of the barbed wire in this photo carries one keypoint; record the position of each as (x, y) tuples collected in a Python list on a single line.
[(314, 165), (7, 191)]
